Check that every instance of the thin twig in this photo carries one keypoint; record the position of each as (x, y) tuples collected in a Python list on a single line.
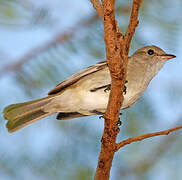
[(145, 136), (133, 21), (98, 6), (151, 158)]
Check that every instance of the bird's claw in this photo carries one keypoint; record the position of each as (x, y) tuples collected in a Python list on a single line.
[(124, 89), (119, 123), (108, 88)]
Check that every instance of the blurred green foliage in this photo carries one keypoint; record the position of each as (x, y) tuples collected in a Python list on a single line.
[(22, 14)]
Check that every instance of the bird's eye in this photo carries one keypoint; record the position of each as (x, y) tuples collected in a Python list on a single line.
[(150, 51)]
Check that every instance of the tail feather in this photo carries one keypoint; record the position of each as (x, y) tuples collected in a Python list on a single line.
[(20, 123), (23, 114)]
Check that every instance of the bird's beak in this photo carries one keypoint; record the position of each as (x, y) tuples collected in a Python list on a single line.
[(167, 56)]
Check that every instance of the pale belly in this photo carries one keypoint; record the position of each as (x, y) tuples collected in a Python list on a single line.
[(94, 101), (98, 101)]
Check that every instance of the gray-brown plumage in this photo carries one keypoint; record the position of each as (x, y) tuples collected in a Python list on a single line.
[(87, 92)]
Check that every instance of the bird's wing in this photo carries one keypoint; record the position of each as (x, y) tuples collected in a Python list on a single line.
[(74, 78)]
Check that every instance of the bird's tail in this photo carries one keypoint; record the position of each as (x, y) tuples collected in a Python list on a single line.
[(23, 114)]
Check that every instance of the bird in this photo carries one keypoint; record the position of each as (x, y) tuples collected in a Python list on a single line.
[(87, 92)]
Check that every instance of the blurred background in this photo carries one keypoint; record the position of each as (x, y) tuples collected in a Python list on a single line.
[(42, 43)]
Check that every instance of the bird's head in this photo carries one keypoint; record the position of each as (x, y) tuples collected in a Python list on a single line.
[(152, 55)]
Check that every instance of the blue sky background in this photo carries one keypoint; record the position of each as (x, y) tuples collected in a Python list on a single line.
[(41, 139)]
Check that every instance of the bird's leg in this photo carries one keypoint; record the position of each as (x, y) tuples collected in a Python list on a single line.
[(108, 88), (124, 89)]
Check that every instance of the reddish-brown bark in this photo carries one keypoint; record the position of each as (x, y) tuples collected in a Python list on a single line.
[(145, 136), (117, 49)]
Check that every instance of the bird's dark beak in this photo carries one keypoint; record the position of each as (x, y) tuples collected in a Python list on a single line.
[(167, 56)]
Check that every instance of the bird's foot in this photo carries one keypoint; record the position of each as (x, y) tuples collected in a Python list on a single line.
[(119, 123), (108, 88), (124, 89)]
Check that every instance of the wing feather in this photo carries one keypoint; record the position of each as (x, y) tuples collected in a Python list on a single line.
[(76, 77)]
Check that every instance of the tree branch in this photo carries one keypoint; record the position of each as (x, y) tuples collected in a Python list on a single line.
[(151, 158), (98, 6), (145, 136), (117, 49), (133, 21)]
